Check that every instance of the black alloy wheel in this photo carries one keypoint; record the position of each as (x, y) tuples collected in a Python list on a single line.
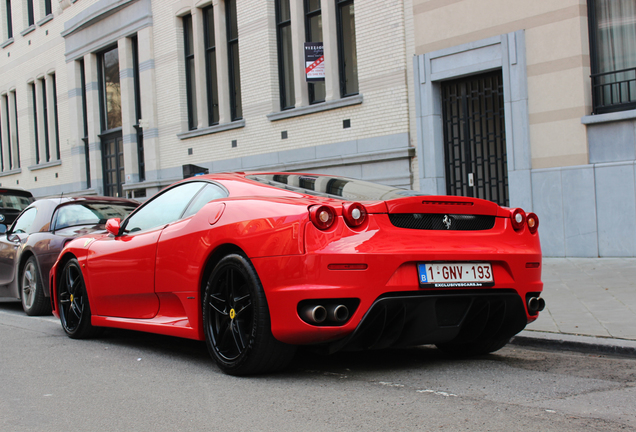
[(75, 312), (236, 321), (34, 302)]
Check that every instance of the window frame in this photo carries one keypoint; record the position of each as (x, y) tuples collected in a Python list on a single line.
[(84, 122), (35, 121), (7, 125), (342, 65), (9, 19), (282, 61), (45, 114), (30, 13), (236, 103), (141, 164), (188, 37), (308, 16), (103, 102)]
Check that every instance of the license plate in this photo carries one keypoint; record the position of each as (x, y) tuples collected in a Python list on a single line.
[(455, 274)]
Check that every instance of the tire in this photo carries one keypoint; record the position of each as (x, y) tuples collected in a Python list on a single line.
[(34, 302), (75, 311), (236, 321), (471, 349)]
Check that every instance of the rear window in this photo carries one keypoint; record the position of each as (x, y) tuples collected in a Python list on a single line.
[(90, 214), (15, 200), (333, 187)]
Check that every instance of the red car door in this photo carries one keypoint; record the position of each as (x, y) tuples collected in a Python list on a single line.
[(121, 269)]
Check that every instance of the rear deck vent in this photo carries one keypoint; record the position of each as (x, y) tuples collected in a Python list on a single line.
[(450, 222)]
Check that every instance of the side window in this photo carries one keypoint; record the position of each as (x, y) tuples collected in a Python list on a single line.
[(24, 222), (209, 193), (163, 209)]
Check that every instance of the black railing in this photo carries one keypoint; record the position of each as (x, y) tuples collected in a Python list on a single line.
[(614, 91)]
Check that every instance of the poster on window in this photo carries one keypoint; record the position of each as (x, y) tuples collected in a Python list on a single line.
[(314, 62)]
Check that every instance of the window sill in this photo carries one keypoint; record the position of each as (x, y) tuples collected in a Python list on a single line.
[(27, 30), (212, 129), (609, 117), (316, 108), (7, 43), (44, 20), (10, 172), (45, 165)]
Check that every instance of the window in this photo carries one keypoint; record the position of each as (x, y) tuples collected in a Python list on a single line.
[(164, 209), (313, 33), (111, 90), (236, 106), (190, 77), (285, 61), (140, 132), (30, 13), (55, 118), (24, 223), (10, 125), (35, 122), (89, 214), (45, 118), (9, 20), (84, 123), (347, 57), (17, 135), (7, 126), (47, 7), (209, 193), (613, 54), (210, 66)]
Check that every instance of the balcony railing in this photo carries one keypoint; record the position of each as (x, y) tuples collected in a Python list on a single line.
[(614, 91)]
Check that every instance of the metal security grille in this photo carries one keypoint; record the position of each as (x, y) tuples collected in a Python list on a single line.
[(475, 138), (455, 222)]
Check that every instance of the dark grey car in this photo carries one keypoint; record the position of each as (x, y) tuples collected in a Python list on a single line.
[(30, 247)]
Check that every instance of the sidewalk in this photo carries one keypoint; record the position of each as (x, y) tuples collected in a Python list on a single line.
[(589, 302)]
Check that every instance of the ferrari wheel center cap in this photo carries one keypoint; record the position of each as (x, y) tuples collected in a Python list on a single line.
[(232, 313), (71, 297)]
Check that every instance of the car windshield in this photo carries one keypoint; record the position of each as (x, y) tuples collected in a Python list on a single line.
[(333, 187), (15, 200), (90, 213)]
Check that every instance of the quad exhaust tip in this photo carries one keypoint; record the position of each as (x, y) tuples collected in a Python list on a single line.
[(328, 314), (338, 313), (314, 314), (535, 304)]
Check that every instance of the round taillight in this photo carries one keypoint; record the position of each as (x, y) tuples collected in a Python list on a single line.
[(322, 216), (518, 218), (533, 222), (354, 214)]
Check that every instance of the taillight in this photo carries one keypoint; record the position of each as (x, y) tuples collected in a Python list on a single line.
[(322, 216), (518, 218), (533, 222), (354, 214)]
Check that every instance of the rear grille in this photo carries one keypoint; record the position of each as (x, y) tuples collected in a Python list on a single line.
[(451, 222)]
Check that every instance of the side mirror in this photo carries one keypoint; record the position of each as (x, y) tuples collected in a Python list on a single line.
[(3, 229), (113, 226)]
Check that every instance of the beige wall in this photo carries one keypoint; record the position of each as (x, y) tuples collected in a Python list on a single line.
[(558, 62)]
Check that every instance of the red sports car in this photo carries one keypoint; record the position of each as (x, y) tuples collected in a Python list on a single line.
[(256, 264)]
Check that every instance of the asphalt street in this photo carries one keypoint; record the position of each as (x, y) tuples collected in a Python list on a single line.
[(138, 382)]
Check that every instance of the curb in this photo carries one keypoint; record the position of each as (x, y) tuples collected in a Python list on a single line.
[(585, 344)]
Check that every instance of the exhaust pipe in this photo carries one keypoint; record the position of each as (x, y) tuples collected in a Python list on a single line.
[(314, 314), (535, 304), (338, 313)]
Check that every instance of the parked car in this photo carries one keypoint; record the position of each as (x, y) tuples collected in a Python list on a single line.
[(31, 245), (12, 202), (256, 264)]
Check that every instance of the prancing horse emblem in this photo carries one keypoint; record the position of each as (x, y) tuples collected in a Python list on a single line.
[(447, 221)]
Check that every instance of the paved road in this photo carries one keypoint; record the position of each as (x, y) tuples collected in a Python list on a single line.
[(137, 382)]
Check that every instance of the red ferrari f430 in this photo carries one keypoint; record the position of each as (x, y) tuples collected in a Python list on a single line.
[(256, 264)]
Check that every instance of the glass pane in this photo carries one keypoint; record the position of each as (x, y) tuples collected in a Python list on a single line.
[(213, 102), (233, 26), (283, 11), (287, 66), (209, 193), (24, 222), (350, 58), (315, 28), (209, 23), (187, 35), (313, 5), (192, 94), (90, 214), (238, 106), (112, 88), (163, 209)]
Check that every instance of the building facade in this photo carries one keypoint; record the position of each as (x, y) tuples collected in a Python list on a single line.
[(115, 97), (531, 104)]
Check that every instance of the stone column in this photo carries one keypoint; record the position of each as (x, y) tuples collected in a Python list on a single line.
[(330, 38), (128, 121), (94, 122), (222, 67), (297, 14)]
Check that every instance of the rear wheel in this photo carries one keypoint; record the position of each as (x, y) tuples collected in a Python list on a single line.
[(237, 323), (75, 312), (470, 349), (34, 302)]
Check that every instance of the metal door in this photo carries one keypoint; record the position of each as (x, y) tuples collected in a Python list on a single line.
[(475, 137), (113, 163)]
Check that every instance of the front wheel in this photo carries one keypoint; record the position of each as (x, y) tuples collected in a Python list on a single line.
[(75, 312), (470, 349), (34, 302), (237, 323)]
